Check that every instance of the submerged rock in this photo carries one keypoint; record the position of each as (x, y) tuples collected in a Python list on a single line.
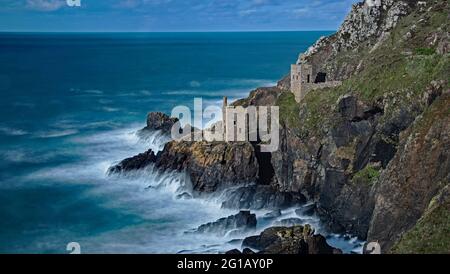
[(289, 222), (293, 240), (242, 222), (184, 196), (307, 210), (272, 214)]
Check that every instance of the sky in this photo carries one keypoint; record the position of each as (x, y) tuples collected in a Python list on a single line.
[(172, 15)]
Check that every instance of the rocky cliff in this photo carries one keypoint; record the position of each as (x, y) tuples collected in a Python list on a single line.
[(373, 153)]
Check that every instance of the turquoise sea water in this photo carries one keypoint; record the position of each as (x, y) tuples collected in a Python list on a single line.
[(70, 106)]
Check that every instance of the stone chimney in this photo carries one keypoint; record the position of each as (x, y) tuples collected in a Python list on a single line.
[(224, 113)]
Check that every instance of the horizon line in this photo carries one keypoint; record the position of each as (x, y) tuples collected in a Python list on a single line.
[(193, 31)]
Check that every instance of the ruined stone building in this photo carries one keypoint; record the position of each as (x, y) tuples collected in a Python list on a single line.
[(305, 77)]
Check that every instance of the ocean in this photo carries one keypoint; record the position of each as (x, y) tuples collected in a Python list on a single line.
[(71, 105)]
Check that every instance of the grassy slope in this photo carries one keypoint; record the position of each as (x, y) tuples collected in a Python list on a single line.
[(431, 234), (399, 68)]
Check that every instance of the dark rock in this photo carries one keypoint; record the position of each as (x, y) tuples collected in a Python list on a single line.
[(233, 252), (134, 163), (210, 166), (261, 197), (414, 177), (235, 241), (265, 96), (289, 222), (307, 210), (160, 121), (292, 240), (351, 108), (317, 244), (247, 251), (243, 221), (184, 195), (433, 91)]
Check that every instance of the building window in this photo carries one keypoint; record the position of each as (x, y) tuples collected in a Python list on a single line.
[(309, 78)]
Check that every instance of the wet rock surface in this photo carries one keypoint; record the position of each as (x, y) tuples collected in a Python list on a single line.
[(292, 240), (242, 222), (134, 163), (210, 166), (261, 197), (272, 215)]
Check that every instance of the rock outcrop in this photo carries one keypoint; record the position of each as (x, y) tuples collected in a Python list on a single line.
[(266, 96), (160, 121), (242, 222), (261, 197), (345, 147), (137, 162), (209, 166), (292, 240), (364, 27), (418, 173)]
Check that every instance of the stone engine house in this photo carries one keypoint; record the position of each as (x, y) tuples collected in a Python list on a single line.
[(305, 77)]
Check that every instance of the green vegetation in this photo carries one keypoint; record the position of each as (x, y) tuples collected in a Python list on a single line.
[(438, 111), (393, 73), (368, 175), (319, 105), (387, 71), (425, 51), (430, 235), (289, 110)]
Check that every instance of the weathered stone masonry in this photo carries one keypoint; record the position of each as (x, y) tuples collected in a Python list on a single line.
[(305, 77)]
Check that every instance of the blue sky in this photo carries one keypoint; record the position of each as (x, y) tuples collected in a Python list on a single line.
[(172, 15)]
